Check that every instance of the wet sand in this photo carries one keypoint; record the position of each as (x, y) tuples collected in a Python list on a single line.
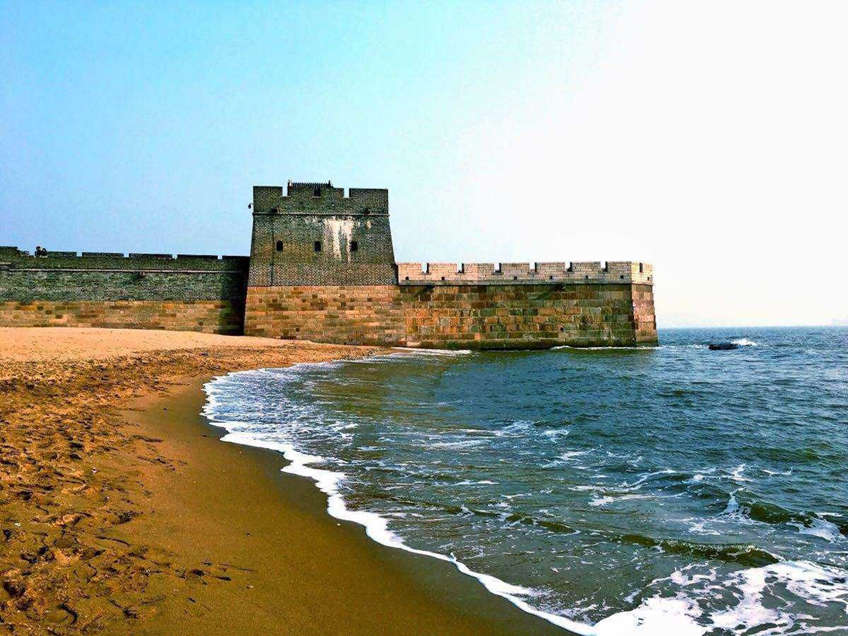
[(122, 512)]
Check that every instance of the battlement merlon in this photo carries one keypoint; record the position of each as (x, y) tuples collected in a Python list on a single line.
[(319, 199), (626, 272)]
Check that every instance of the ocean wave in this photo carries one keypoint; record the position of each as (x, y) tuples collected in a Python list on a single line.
[(727, 552), (481, 499), (821, 528), (376, 526), (429, 352), (689, 610), (746, 507), (608, 499), (744, 342), (656, 615), (574, 348)]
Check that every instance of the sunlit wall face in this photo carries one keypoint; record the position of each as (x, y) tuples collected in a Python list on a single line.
[(706, 137)]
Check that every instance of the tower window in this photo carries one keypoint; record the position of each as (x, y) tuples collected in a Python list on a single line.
[(279, 246), (316, 192), (354, 246), (317, 246)]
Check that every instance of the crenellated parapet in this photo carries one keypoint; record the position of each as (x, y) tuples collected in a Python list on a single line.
[(14, 258), (524, 273), (321, 199)]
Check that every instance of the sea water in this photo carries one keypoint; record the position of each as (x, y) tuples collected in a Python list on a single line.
[(666, 490)]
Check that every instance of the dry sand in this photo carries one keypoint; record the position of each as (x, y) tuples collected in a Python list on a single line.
[(122, 512)]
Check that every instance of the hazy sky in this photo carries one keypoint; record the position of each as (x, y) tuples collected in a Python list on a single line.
[(709, 138)]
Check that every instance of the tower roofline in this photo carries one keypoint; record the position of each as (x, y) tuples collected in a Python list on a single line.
[(319, 199)]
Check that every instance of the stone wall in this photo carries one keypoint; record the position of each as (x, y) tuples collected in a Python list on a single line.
[(643, 314), (211, 316), (357, 314), (519, 316), (186, 292), (462, 316)]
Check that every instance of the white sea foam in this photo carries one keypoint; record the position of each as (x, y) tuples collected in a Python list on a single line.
[(430, 352), (573, 348), (744, 342), (685, 610), (777, 472), (656, 615), (607, 499), (376, 527), (643, 478), (566, 457), (815, 584), (464, 443), (821, 528), (601, 501), (699, 527), (736, 473)]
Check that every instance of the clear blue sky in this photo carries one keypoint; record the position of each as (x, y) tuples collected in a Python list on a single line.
[(504, 131)]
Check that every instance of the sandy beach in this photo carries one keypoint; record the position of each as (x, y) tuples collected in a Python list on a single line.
[(122, 512)]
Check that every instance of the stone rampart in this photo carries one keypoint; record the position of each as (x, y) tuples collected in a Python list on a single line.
[(100, 289), (470, 315), (527, 316), (355, 314)]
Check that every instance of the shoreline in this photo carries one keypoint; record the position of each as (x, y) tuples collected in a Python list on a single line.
[(374, 525), (419, 594), (122, 511)]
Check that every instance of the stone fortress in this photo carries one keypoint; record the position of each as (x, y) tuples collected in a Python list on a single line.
[(322, 268)]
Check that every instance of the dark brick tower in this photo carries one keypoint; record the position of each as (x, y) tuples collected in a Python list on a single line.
[(315, 235)]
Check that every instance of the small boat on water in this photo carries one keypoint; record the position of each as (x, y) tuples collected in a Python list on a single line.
[(723, 346)]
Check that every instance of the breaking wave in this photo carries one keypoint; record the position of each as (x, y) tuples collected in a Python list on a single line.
[(671, 493)]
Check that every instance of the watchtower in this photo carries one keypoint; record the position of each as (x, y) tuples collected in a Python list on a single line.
[(315, 235)]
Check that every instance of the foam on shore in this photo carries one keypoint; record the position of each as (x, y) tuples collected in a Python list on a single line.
[(376, 527), (685, 612)]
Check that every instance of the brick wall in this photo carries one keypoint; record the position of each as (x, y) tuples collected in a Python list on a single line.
[(519, 316), (358, 314), (200, 315), (155, 291), (456, 316), (643, 314)]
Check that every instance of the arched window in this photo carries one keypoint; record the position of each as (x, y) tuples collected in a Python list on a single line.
[(279, 246), (354, 245), (317, 246)]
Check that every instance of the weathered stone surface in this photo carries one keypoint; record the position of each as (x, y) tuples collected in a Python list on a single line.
[(210, 316), (459, 316), (364, 314), (197, 293)]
